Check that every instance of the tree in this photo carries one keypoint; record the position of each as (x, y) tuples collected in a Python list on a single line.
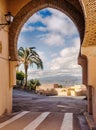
[(20, 76), (29, 56)]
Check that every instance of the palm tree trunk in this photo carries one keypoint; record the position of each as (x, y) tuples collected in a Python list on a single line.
[(26, 68)]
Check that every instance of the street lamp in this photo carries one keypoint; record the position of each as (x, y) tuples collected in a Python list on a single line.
[(8, 18)]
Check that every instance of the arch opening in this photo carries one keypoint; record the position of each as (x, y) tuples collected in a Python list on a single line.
[(60, 46), (62, 51)]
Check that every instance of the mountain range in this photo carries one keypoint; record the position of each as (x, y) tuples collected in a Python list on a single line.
[(62, 80)]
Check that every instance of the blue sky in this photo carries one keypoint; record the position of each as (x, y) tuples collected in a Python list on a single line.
[(56, 40)]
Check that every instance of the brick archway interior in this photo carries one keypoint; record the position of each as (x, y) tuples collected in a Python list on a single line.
[(73, 10)]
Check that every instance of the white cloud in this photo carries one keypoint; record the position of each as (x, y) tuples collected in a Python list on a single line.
[(21, 41), (68, 57), (65, 63), (54, 55), (53, 39), (34, 18), (42, 55), (28, 29), (60, 23), (52, 73), (41, 29), (57, 23)]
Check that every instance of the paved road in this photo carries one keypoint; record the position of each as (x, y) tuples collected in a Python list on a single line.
[(38, 112), (41, 121)]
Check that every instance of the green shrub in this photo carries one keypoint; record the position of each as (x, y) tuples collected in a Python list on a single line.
[(60, 86), (33, 83)]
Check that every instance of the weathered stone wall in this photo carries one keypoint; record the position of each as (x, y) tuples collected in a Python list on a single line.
[(90, 22), (5, 92), (94, 103), (89, 49)]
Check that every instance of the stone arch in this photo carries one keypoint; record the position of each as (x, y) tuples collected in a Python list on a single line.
[(73, 10)]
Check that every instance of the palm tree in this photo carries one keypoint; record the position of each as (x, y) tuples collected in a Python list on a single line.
[(28, 56)]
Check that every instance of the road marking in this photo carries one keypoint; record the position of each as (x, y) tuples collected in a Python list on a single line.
[(67, 123), (13, 119), (37, 121)]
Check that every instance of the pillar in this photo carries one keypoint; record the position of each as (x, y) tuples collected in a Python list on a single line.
[(89, 93), (82, 60), (12, 73), (90, 52)]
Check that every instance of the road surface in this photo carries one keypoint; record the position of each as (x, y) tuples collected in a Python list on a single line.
[(38, 112)]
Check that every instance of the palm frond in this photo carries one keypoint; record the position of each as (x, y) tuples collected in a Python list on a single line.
[(30, 56)]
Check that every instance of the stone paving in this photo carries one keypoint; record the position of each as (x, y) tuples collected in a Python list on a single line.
[(38, 112)]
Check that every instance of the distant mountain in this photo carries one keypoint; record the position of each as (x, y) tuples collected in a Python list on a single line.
[(62, 80)]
